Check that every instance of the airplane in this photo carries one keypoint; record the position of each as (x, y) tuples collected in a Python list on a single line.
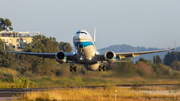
[(87, 54)]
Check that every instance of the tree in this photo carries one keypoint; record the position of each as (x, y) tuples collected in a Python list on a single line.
[(42, 44), (175, 65), (65, 47), (5, 24), (171, 57), (162, 71), (154, 59), (158, 60), (7, 60), (148, 62), (167, 59)]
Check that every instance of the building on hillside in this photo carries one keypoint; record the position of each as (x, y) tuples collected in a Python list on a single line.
[(17, 40)]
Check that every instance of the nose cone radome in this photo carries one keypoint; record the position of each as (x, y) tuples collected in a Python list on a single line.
[(82, 35)]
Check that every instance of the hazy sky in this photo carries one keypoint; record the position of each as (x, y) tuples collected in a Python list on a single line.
[(148, 23)]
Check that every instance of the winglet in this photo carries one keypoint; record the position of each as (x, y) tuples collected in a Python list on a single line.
[(94, 34), (172, 48)]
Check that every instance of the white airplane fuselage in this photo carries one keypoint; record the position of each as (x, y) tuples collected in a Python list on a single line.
[(86, 50)]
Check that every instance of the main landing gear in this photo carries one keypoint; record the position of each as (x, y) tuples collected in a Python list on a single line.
[(103, 68), (73, 68)]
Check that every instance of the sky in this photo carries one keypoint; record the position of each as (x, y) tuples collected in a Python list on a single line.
[(148, 23)]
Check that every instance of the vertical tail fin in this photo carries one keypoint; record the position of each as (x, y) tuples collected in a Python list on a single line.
[(94, 34)]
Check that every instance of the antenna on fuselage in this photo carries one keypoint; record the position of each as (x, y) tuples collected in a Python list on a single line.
[(94, 34)]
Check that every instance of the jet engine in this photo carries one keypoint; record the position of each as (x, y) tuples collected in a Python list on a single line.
[(110, 56), (61, 57)]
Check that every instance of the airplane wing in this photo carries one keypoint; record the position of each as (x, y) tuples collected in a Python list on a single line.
[(135, 54), (70, 56), (132, 54), (44, 55)]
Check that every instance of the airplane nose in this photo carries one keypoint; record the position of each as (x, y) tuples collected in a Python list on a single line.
[(80, 37), (75, 37)]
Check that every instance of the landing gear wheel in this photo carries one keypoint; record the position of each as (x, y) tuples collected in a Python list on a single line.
[(75, 68), (99, 68), (71, 68), (104, 68)]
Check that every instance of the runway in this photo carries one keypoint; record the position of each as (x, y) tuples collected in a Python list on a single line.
[(7, 94)]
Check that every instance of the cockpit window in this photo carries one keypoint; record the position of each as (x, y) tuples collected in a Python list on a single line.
[(81, 32)]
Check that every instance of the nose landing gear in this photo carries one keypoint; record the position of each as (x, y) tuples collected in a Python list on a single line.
[(73, 68), (103, 68)]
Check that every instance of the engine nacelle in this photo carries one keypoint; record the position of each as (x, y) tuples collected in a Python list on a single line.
[(110, 56), (61, 57)]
